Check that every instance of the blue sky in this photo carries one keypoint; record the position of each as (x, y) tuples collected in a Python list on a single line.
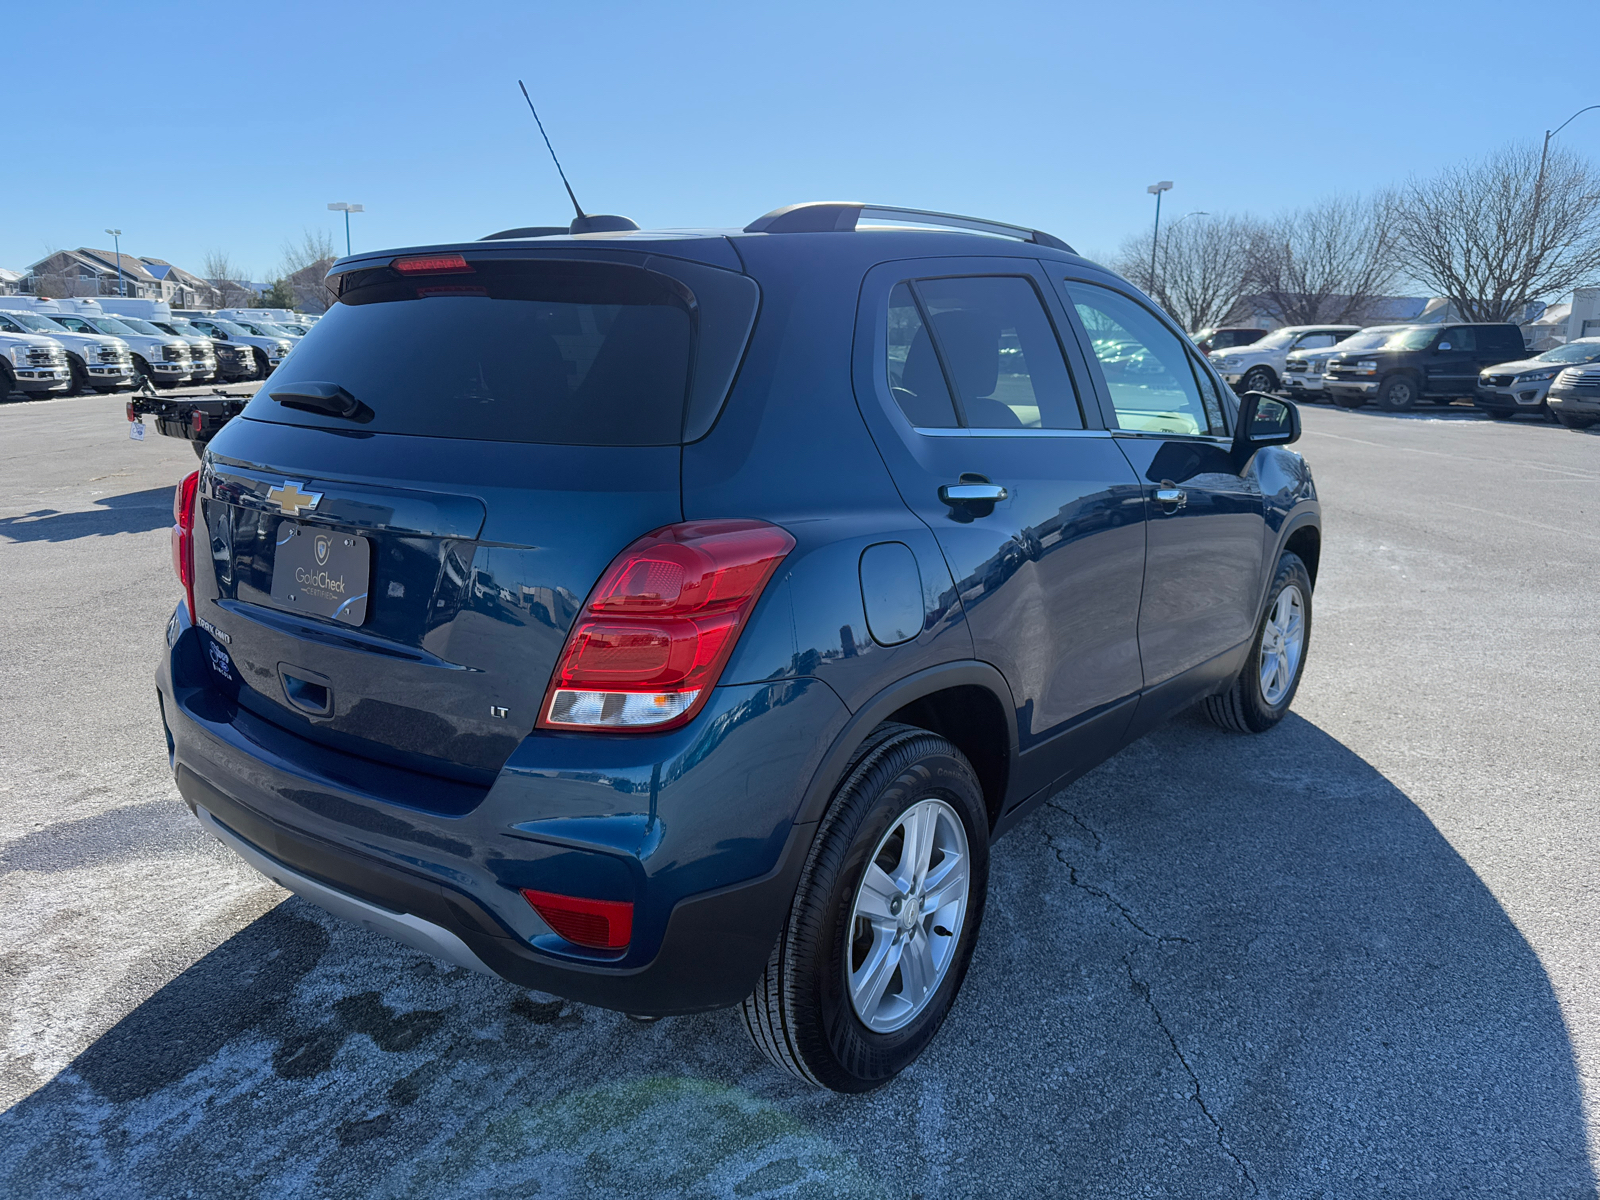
[(1055, 116)]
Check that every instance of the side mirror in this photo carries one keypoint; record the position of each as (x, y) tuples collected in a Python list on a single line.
[(1444, 345), (1264, 421)]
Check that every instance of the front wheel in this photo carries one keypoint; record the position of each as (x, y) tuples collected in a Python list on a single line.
[(884, 920), (1572, 422), (1261, 694), (1259, 379), (1399, 393)]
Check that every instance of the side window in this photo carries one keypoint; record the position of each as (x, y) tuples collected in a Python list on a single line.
[(1460, 338), (75, 324), (9, 326), (915, 380), (1315, 341), (1154, 385), (1210, 398), (1000, 353)]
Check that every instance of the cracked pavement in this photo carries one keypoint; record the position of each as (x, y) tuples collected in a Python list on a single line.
[(1353, 957)]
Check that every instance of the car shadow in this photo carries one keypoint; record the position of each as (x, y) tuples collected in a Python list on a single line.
[(131, 512), (1216, 965)]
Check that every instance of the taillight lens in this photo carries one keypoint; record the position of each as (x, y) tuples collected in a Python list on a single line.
[(183, 535), (433, 264), (598, 924), (659, 626)]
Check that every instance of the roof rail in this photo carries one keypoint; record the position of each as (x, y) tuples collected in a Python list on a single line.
[(842, 217)]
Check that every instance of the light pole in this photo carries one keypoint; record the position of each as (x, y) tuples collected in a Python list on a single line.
[(1155, 189), (116, 240), (346, 209), (1538, 187)]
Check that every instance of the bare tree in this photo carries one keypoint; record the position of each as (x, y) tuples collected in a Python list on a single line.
[(228, 279), (313, 245), (1495, 234), (1201, 266), (1325, 264)]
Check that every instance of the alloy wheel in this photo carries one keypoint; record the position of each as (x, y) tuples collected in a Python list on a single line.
[(1283, 641), (907, 916)]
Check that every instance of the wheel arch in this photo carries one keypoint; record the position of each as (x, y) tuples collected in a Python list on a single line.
[(1305, 539), (968, 703)]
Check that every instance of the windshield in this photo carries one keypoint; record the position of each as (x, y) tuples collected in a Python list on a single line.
[(271, 330), (230, 327), (1411, 337), (1276, 339), (144, 327), (1572, 352), (113, 326), (34, 322), (1368, 339)]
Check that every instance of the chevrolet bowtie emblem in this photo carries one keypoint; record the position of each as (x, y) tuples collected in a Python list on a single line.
[(291, 499)]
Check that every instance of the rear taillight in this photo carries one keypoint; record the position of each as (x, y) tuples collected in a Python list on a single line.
[(183, 535), (598, 924), (433, 264), (659, 626)]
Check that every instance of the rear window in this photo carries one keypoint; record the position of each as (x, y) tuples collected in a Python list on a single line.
[(554, 351)]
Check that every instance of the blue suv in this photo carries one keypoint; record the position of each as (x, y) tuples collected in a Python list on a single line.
[(672, 620)]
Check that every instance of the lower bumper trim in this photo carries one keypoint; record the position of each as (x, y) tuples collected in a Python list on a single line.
[(411, 930)]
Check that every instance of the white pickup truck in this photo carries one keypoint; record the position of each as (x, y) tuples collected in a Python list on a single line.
[(32, 363), (94, 360), (1259, 367)]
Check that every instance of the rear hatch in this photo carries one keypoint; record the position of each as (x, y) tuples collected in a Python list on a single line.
[(407, 518)]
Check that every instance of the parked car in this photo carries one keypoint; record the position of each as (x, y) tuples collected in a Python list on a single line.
[(160, 357), (33, 364), (234, 360), (94, 359), (681, 625), (1574, 396), (1420, 362), (1508, 388), (268, 350), (268, 329), (1227, 337), (1303, 369), (1259, 366)]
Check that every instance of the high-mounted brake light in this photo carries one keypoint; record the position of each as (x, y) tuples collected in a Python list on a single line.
[(659, 626), (432, 264), (183, 501), (598, 924)]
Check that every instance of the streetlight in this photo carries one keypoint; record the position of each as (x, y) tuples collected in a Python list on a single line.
[(1538, 187), (346, 209), (116, 239), (1155, 189)]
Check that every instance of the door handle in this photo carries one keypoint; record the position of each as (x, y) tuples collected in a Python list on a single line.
[(972, 493), (1171, 498)]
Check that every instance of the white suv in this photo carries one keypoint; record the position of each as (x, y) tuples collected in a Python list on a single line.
[(1259, 366)]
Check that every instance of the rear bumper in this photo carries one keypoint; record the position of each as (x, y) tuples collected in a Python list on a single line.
[(695, 827)]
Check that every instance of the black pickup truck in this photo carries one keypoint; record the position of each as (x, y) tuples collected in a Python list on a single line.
[(1420, 362), (196, 419)]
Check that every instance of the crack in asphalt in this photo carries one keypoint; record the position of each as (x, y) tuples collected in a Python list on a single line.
[(1143, 990)]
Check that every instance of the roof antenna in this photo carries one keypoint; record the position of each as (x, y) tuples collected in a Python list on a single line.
[(583, 222)]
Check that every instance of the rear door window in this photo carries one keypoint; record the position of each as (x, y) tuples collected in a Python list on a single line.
[(1460, 338), (1154, 382), (560, 352), (993, 354)]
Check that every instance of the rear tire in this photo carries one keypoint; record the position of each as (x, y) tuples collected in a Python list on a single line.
[(1499, 414), (1399, 393), (805, 1014), (1260, 696)]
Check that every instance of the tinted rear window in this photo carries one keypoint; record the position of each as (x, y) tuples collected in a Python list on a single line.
[(563, 352)]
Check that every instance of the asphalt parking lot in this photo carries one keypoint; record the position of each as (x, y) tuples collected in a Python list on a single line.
[(1357, 956)]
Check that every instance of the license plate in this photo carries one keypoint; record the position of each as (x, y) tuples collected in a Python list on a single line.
[(321, 572), (136, 430)]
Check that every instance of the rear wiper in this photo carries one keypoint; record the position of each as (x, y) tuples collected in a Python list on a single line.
[(327, 398)]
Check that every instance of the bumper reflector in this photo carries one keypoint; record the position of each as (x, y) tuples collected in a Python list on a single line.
[(597, 924)]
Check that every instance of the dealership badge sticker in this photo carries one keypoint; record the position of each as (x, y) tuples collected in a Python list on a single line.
[(324, 574), (136, 430)]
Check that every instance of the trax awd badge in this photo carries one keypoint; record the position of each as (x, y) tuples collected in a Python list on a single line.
[(290, 499)]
